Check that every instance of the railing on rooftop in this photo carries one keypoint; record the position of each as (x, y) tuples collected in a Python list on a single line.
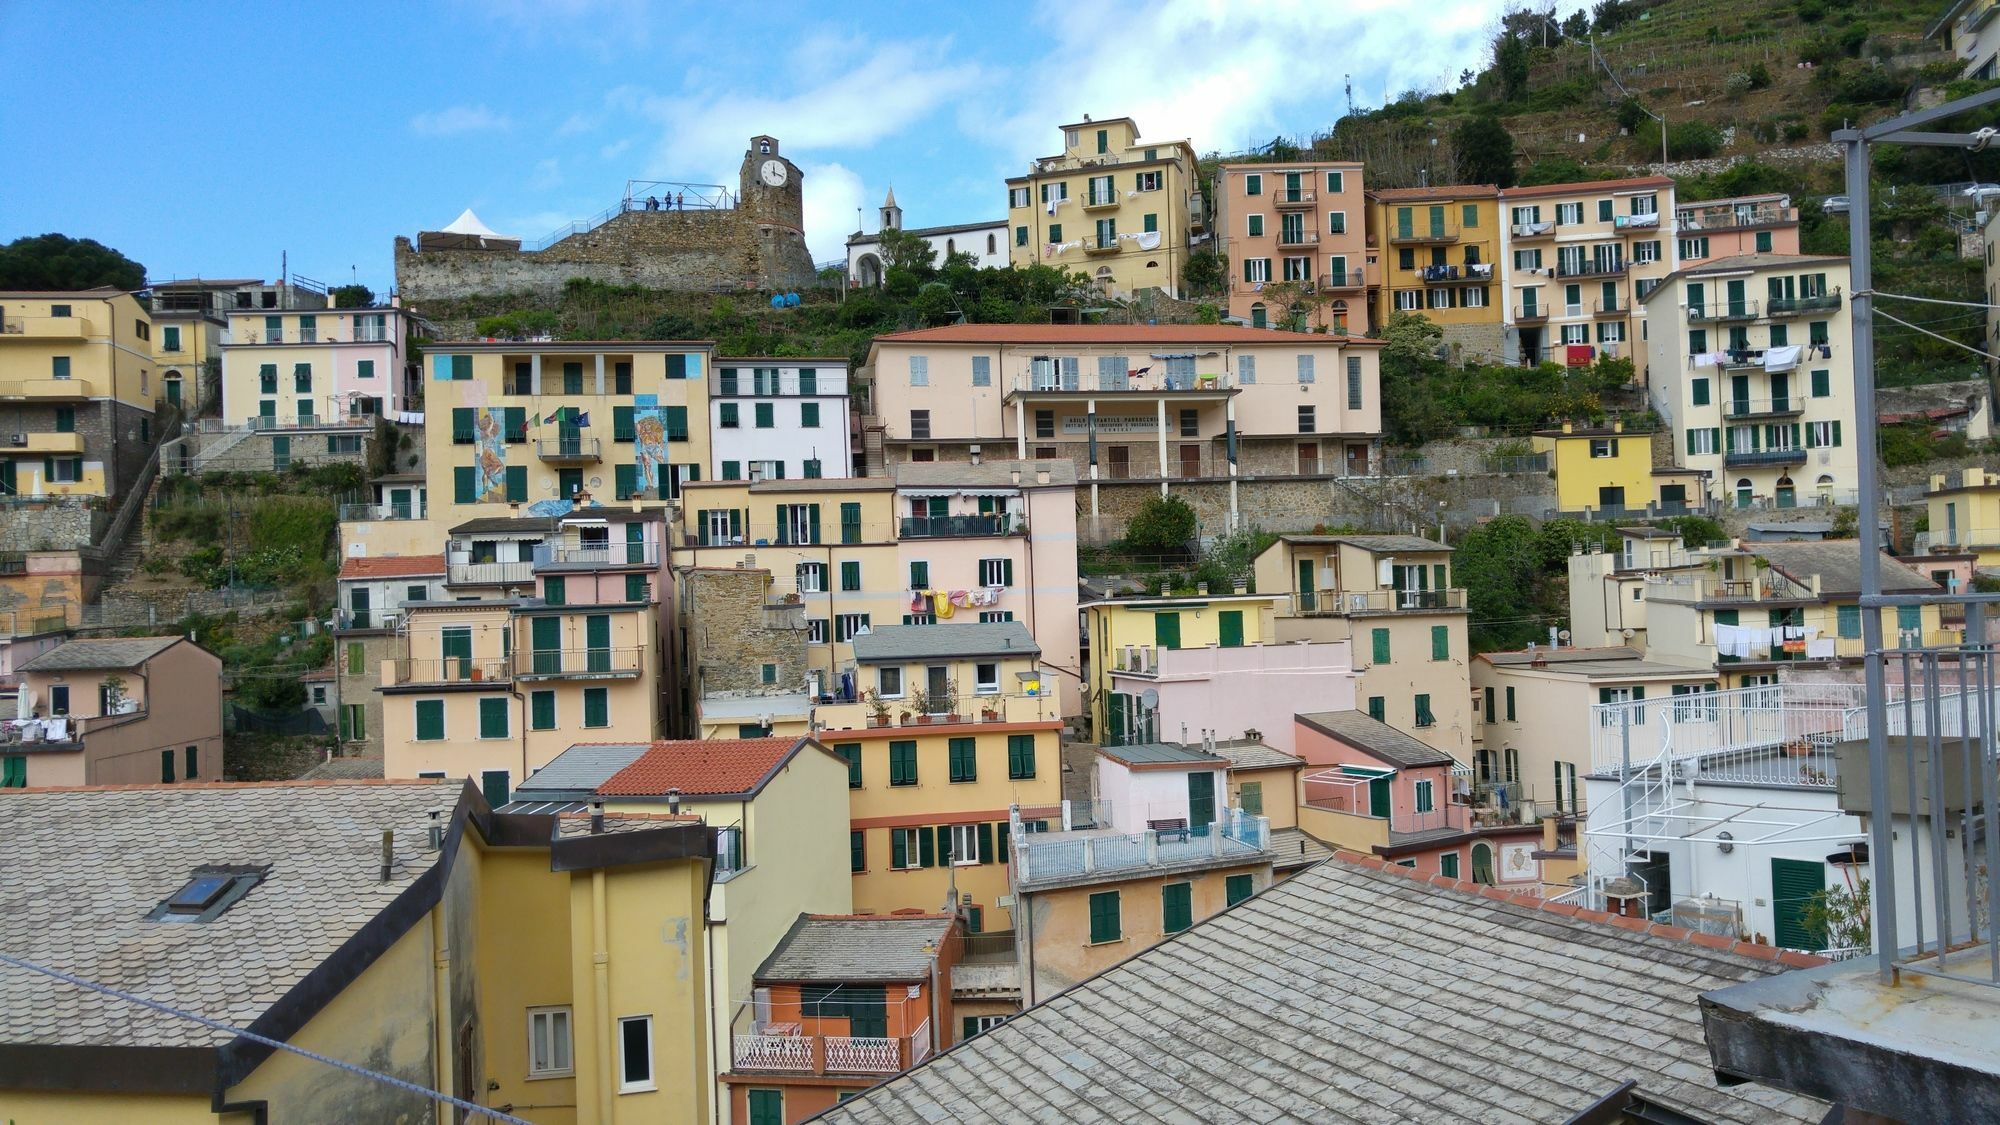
[(959, 527), (1723, 310), (1337, 603), (579, 663), (775, 1048), (489, 573), (363, 512), (408, 670), (1151, 382), (908, 711), (1694, 220), (1056, 857), (590, 555)]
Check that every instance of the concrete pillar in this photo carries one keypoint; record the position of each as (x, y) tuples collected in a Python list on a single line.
[(535, 373), (600, 375), (1160, 439), (1229, 408), (1020, 428)]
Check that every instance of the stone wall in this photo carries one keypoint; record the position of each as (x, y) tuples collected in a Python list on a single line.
[(59, 525), (718, 251), (731, 636), (1303, 503), (1474, 343), (376, 646)]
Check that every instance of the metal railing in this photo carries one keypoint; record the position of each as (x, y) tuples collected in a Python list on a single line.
[(831, 1054), (567, 663), (1428, 232), (385, 618), (1303, 197), (447, 670), (1541, 229), (1800, 306), (1338, 603), (1614, 306), (909, 711), (1441, 817), (1696, 220), (1530, 313), (1289, 238), (1057, 856), (1093, 244), (966, 526), (1353, 277), (993, 947), (1149, 383), (829, 383), (1765, 457), (1723, 310), (489, 573), (1755, 735), (584, 555), (383, 512), (1761, 407), (576, 448), (1474, 271), (1591, 268)]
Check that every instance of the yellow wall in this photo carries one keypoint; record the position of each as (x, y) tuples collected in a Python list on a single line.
[(61, 1107), (1124, 159), (1111, 625), (1974, 515), (1060, 921), (1386, 264), (1280, 791), (1579, 475), (101, 337), (524, 917)]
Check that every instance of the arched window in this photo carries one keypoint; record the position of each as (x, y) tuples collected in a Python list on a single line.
[(1482, 862), (950, 247), (992, 246), (1259, 318), (1745, 491)]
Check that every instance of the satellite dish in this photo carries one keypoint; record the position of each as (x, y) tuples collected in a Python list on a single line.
[(1629, 634), (1563, 636), (1149, 699), (548, 482), (597, 482)]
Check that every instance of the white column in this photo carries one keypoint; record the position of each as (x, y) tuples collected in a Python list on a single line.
[(600, 375), (535, 373), (1020, 428), (1231, 438), (1160, 411)]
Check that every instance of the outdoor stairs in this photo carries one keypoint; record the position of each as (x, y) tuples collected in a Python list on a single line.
[(132, 552), (214, 451), (871, 449)]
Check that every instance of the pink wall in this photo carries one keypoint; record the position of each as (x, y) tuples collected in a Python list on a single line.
[(1322, 752), (1255, 687)]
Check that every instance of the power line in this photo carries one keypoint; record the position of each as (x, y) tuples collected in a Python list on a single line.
[(1925, 300), (218, 1025), (1936, 336)]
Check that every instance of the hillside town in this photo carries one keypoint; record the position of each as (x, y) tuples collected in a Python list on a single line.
[(1312, 650)]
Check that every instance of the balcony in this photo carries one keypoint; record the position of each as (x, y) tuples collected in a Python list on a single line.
[(1765, 457), (489, 573), (1430, 233), (364, 512), (371, 334), (1471, 273), (571, 449), (1526, 231), (1722, 310), (48, 327), (1339, 603), (385, 619), (1096, 245), (1531, 314), (1592, 268), (1636, 222), (1285, 200), (421, 671), (580, 663), (970, 709), (595, 556), (1611, 308), (1044, 859), (1295, 238), (1098, 200), (958, 527), (267, 422), (1762, 407), (783, 1048), (49, 389), (1348, 279), (1149, 383), (1697, 221), (1329, 791), (48, 443), (1803, 306)]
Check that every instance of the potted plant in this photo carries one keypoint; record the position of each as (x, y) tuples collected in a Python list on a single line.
[(949, 704), (989, 710), (920, 703), (877, 706)]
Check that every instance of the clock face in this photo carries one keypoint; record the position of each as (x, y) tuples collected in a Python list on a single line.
[(773, 173)]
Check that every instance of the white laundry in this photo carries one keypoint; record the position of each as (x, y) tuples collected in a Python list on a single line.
[(1820, 648), (1147, 240), (1782, 358)]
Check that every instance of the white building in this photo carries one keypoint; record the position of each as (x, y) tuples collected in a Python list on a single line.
[(986, 242), (779, 419)]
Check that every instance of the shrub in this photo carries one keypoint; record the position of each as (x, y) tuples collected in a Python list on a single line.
[(1163, 525), (1796, 131), (1736, 85), (1692, 140), (1760, 75)]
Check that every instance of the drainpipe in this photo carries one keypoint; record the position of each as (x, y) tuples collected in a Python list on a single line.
[(600, 958), (441, 999), (937, 1017)]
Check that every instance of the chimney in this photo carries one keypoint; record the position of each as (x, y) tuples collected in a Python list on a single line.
[(975, 453), (388, 852), (1618, 425), (1015, 474), (437, 829), (597, 816), (674, 801), (1041, 476)]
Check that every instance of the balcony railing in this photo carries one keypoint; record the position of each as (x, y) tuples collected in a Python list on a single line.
[(1429, 232), (385, 618), (1286, 200), (579, 663), (1803, 306), (1611, 307), (589, 556), (1465, 274), (1097, 198), (1288, 238), (1059, 856), (1956, 539), (489, 573), (1723, 310), (360, 512), (958, 527), (1762, 407), (1351, 278), (969, 707), (1590, 268), (445, 670), (1696, 221), (1338, 603), (575, 448), (1530, 314), (1765, 457), (370, 334), (830, 1054), (1093, 383), (1543, 229), (48, 327), (1095, 245)]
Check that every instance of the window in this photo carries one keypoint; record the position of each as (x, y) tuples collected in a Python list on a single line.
[(1254, 225), (1424, 718), (596, 707), (1256, 271), (1448, 865), (1819, 435), (1104, 920), (1378, 708), (1426, 798), (818, 631), (1379, 639), (1698, 388), (920, 424), (1703, 440), (1409, 300), (850, 576), (1822, 384), (1253, 184), (1693, 248), (1510, 704), (1440, 642), (542, 710), (1020, 236), (635, 588), (548, 1042), (1646, 251), (852, 752), (1237, 888), (1569, 213), (1017, 197), (1307, 419), (635, 1054), (994, 616), (812, 578), (1354, 382), (1020, 757), (902, 763), (167, 767), (982, 371), (889, 682), (1246, 369), (1848, 621), (996, 572), (1298, 269), (964, 842), (920, 575), (1176, 907), (1604, 212), (986, 679), (920, 371), (353, 722), (59, 367), (963, 756), (430, 720), (767, 414), (1604, 447), (1146, 181), (493, 718), (14, 772)]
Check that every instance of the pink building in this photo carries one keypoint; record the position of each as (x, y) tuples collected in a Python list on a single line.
[(1303, 223), (1725, 228), (1230, 692), (1372, 788)]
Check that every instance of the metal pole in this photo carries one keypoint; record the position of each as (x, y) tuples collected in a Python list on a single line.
[(1861, 309), (1625, 782)]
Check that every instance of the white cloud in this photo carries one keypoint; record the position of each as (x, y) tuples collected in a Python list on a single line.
[(832, 192), (546, 175), (616, 149), (457, 120), (575, 124)]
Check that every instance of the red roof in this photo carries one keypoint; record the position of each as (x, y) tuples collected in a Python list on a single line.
[(701, 767), (398, 566), (1149, 334), (1587, 187), (1446, 191)]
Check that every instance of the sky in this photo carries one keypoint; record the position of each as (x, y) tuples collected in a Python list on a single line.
[(217, 140)]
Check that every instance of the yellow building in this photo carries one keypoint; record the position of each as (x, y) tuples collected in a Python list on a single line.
[(1578, 258), (1434, 251), (190, 322), (517, 424), (952, 730), (777, 850), (1391, 596), (506, 961), (1607, 472), (1120, 209), (314, 368), (1964, 515), (1113, 625), (77, 392)]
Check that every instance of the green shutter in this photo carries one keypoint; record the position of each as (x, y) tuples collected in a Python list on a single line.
[(493, 718), (430, 720), (1104, 921), (920, 575), (1510, 704), (1237, 888), (1836, 433), (625, 479), (1380, 639), (899, 849), (462, 432), (985, 833), (517, 484), (542, 714), (857, 851), (852, 752), (1176, 907), (926, 846), (621, 424), (964, 759), (1004, 830), (677, 423), (1020, 756), (850, 576), (596, 707), (1378, 708), (1440, 642), (464, 484), (1167, 630)]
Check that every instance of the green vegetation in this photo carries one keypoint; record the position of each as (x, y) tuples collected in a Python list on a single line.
[(57, 261), (1163, 525), (258, 530), (1516, 576), (1425, 397), (351, 296)]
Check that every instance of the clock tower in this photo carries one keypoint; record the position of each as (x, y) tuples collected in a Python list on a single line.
[(769, 185)]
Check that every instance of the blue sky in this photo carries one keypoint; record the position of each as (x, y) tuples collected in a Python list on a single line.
[(207, 139)]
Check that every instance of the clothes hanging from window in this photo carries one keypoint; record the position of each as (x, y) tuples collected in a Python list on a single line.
[(1782, 358), (941, 604)]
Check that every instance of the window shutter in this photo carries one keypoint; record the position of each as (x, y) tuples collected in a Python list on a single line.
[(463, 479), (926, 846), (899, 852), (985, 842), (1795, 435), (1006, 827), (1006, 572), (461, 425), (1836, 433), (517, 484)]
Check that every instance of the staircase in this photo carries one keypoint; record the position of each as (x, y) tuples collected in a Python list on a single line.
[(215, 451), (872, 462), (1630, 814)]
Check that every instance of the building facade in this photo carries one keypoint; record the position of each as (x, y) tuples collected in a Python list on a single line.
[(1741, 224), (1605, 471), (779, 419), (77, 378), (1578, 260), (1964, 511), (1122, 210), (1298, 231), (1436, 251), (136, 711), (1751, 369), (986, 243), (314, 370)]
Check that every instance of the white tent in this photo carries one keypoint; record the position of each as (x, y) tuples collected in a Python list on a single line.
[(468, 223), (467, 232)]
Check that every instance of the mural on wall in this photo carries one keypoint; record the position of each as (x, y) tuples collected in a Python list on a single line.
[(32, 602), (1517, 861), (489, 439), (649, 440)]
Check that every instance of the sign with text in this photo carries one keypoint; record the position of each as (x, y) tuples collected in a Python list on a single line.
[(1112, 424)]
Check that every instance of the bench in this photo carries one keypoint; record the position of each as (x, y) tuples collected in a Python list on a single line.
[(1178, 826)]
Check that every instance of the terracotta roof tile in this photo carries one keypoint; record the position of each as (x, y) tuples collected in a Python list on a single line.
[(1152, 334), (396, 566), (1587, 187), (701, 767)]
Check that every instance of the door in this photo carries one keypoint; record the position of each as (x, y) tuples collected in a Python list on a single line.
[(867, 1013), (1308, 598), (1788, 496), (1378, 797), (1482, 863), (545, 635), (281, 452), (1121, 461), (1781, 391), (1201, 798), (1115, 705), (357, 604), (597, 639), (1737, 307), (1739, 394), (1260, 317), (457, 652), (635, 542), (1437, 222), (767, 1107), (1357, 460), (399, 504), (1167, 630), (1794, 882), (173, 392), (1229, 624), (1190, 460)]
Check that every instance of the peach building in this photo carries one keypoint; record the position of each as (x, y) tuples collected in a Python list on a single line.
[(1743, 224), (1302, 223), (130, 711), (1580, 258)]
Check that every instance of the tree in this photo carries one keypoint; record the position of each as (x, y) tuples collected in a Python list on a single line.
[(1839, 918), (1500, 564), (1163, 525), (1577, 25), (1202, 273), (1510, 62), (352, 297), (1486, 151), (59, 262), (912, 253)]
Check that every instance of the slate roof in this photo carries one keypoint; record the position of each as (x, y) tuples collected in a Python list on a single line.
[(1444, 191), (345, 769), (698, 767), (1356, 991), (1379, 544), (847, 948), (986, 474), (394, 566), (1256, 756), (1586, 187), (1359, 730), (87, 865), (1292, 848), (1561, 655), (1143, 335), (1161, 754), (1837, 562), (100, 654), (579, 770), (506, 525), (945, 639)]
